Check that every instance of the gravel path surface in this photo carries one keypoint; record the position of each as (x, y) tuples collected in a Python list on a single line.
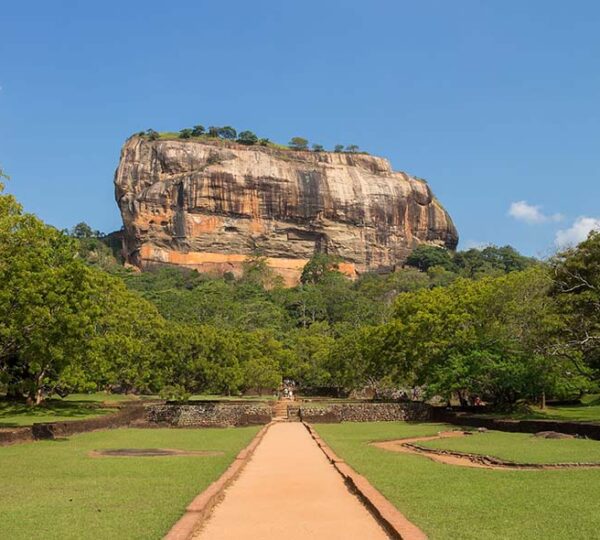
[(289, 491)]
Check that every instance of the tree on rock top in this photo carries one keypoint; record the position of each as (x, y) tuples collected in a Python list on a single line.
[(227, 132), (298, 143), (247, 137)]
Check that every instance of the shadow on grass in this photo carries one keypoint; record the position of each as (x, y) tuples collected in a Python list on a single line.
[(18, 414)]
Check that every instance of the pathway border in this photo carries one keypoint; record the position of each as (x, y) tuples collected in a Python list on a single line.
[(199, 509), (394, 522)]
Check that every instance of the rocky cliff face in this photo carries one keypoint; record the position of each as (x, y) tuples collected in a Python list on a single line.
[(210, 204)]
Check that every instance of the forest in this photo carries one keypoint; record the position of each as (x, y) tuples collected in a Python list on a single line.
[(487, 324)]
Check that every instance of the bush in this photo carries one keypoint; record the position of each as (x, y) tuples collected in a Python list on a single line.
[(298, 143), (227, 132), (247, 137)]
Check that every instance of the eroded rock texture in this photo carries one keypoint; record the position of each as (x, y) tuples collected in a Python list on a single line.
[(209, 205)]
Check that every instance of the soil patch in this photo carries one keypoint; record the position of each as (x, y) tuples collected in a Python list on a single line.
[(150, 452), (478, 461)]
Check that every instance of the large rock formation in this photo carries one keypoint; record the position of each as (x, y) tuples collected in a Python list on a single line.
[(210, 204)]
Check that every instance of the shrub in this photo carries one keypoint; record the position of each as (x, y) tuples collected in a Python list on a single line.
[(227, 132), (298, 143), (247, 137)]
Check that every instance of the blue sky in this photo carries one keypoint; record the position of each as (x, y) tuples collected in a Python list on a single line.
[(496, 103)]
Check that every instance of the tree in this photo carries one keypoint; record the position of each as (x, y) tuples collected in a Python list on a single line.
[(213, 131), (318, 148), (318, 266), (362, 359), (247, 137), (50, 301), (298, 143), (490, 261), (198, 130), (352, 148), (338, 148), (264, 141), (227, 132), (494, 335), (262, 374), (185, 133), (425, 256), (152, 135), (83, 230), (576, 287), (125, 350), (312, 348)]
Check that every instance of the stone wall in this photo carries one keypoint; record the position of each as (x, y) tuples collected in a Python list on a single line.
[(208, 414), (367, 412)]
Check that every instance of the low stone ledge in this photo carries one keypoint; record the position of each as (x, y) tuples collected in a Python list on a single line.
[(15, 435), (394, 522), (125, 416)]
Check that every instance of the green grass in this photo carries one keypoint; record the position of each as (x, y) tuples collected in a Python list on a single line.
[(587, 411), (18, 414), (103, 397), (217, 397), (72, 407), (450, 502), (523, 447), (53, 490)]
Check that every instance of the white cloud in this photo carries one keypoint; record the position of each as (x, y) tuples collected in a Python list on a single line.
[(530, 213), (578, 232)]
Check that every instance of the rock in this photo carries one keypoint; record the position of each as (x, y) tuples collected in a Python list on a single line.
[(553, 435), (209, 205), (482, 430)]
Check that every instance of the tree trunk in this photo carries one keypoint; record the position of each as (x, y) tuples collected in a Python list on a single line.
[(36, 392), (543, 401)]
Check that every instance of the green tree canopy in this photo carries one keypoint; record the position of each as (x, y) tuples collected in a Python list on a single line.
[(247, 137), (425, 256), (298, 143)]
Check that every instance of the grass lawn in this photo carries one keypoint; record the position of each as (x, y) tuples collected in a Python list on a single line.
[(103, 397), (53, 490), (72, 407), (217, 397), (587, 411), (450, 502), (522, 447), (18, 414)]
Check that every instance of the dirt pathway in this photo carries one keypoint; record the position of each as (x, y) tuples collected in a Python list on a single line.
[(289, 491)]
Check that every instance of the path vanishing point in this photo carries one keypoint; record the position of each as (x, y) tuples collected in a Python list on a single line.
[(289, 491)]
